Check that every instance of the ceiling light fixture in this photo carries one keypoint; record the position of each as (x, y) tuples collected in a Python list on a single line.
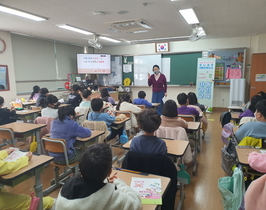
[(72, 28), (189, 15), (109, 39), (21, 13), (137, 32)]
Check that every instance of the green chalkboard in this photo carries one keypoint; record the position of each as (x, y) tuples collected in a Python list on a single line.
[(183, 68), (130, 75)]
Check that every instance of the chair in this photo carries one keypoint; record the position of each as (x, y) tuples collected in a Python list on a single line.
[(17, 105), (58, 146), (178, 133), (155, 164), (188, 118), (98, 125), (141, 106), (82, 110), (128, 114), (36, 108), (7, 136)]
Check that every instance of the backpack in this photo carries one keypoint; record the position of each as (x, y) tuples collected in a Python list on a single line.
[(225, 118), (229, 155)]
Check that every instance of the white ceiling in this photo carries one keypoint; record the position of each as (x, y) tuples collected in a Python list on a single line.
[(219, 18)]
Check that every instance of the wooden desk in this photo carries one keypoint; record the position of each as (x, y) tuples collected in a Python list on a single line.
[(94, 136), (235, 115), (62, 105), (175, 148), (26, 128), (126, 177), (33, 169), (195, 128), (28, 104), (155, 105), (121, 121), (242, 154), (235, 108), (24, 113)]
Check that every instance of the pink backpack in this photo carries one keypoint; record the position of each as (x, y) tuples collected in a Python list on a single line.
[(34, 202)]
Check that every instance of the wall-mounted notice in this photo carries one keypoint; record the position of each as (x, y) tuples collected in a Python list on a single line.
[(260, 77), (219, 71), (127, 68), (205, 77)]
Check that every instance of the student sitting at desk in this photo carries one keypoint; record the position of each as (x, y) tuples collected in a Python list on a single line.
[(193, 100), (6, 115), (65, 128), (88, 191), (17, 201), (254, 129), (44, 92), (49, 106), (74, 97), (86, 94), (170, 116), (252, 107), (182, 99), (125, 104), (97, 114), (35, 94), (106, 96), (141, 100), (149, 121)]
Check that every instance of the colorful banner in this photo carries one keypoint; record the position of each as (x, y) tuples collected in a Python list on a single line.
[(205, 77)]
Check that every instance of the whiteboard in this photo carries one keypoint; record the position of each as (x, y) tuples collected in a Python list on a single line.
[(143, 65)]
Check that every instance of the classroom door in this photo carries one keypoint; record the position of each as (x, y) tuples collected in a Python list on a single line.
[(258, 73)]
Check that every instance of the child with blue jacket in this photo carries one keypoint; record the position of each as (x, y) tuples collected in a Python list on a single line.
[(141, 100)]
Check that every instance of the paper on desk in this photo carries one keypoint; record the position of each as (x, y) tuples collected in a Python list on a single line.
[(164, 99), (150, 190), (263, 151), (15, 155)]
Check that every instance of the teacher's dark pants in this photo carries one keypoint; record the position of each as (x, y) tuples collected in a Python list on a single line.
[(157, 98)]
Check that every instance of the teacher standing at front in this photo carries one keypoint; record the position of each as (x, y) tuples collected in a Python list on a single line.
[(159, 86)]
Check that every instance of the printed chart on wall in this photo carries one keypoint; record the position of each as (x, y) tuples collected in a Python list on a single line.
[(3, 74), (205, 77), (150, 190)]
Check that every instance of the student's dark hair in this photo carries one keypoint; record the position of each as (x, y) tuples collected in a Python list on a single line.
[(170, 109), (149, 120), (36, 89), (96, 162), (65, 111), (75, 87), (254, 100), (155, 66), (1, 100), (261, 107), (86, 93), (141, 94), (192, 98), (262, 93), (105, 93), (182, 98), (125, 97), (96, 104), (50, 99), (43, 91)]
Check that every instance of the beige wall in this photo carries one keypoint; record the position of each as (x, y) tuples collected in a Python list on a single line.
[(6, 58)]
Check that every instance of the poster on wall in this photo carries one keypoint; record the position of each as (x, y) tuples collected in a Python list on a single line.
[(3, 77), (205, 77)]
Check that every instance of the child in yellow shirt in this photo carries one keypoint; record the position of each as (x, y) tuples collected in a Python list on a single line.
[(10, 201)]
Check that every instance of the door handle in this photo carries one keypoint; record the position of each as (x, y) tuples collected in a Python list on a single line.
[(253, 88)]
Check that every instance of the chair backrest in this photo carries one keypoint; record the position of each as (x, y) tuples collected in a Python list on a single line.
[(55, 145), (127, 113), (97, 125), (17, 104), (141, 106), (82, 110), (188, 118), (36, 108), (155, 164), (7, 134)]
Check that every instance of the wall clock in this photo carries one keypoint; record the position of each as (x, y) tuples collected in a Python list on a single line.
[(162, 47), (2, 45)]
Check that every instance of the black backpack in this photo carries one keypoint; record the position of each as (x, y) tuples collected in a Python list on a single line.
[(225, 118)]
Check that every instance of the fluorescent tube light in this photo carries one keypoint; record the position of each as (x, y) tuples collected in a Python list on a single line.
[(72, 28), (21, 14), (109, 39), (201, 31), (189, 15)]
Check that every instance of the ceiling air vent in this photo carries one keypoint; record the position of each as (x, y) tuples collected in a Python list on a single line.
[(130, 25)]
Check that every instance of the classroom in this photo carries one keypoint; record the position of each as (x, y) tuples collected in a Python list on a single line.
[(40, 53)]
